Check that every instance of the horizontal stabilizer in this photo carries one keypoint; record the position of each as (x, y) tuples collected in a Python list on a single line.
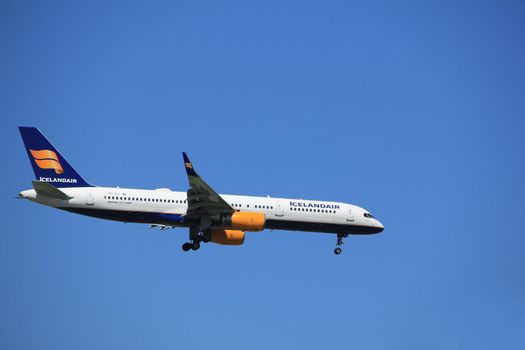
[(46, 189)]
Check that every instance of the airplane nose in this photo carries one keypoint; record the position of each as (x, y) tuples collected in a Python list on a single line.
[(379, 227)]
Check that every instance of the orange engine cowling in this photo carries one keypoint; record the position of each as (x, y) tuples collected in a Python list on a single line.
[(246, 221), (227, 237)]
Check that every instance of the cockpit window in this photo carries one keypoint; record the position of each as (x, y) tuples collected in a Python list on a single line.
[(368, 215)]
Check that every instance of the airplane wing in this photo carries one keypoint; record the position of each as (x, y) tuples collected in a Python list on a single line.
[(204, 203)]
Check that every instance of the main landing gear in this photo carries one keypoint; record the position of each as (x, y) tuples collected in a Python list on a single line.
[(195, 240), (191, 245), (340, 242)]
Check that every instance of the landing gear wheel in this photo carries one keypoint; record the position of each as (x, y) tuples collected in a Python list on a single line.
[(186, 246), (206, 237), (338, 251), (195, 245)]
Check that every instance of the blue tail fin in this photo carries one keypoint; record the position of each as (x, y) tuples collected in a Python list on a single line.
[(48, 164)]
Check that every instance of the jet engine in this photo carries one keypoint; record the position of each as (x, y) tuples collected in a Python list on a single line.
[(245, 221), (227, 237)]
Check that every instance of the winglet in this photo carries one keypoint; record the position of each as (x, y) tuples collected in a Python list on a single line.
[(187, 164)]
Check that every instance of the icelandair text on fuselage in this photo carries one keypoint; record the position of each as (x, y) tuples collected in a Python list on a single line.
[(314, 205), (58, 179)]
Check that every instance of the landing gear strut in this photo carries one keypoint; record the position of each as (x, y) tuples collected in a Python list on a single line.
[(340, 242)]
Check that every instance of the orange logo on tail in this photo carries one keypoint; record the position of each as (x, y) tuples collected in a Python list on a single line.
[(46, 159)]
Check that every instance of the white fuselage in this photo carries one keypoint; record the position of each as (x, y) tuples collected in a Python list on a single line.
[(167, 208)]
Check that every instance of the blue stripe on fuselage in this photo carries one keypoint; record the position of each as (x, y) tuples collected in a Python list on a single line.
[(142, 217)]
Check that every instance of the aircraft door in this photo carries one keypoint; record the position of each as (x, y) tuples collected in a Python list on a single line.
[(90, 199), (279, 210), (350, 215)]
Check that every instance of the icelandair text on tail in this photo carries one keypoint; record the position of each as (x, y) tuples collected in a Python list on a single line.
[(58, 179)]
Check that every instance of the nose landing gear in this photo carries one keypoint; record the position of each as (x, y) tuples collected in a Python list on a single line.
[(340, 242)]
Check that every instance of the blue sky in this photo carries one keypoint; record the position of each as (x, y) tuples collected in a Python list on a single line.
[(413, 110)]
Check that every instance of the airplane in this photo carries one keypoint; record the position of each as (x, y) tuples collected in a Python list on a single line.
[(210, 217)]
